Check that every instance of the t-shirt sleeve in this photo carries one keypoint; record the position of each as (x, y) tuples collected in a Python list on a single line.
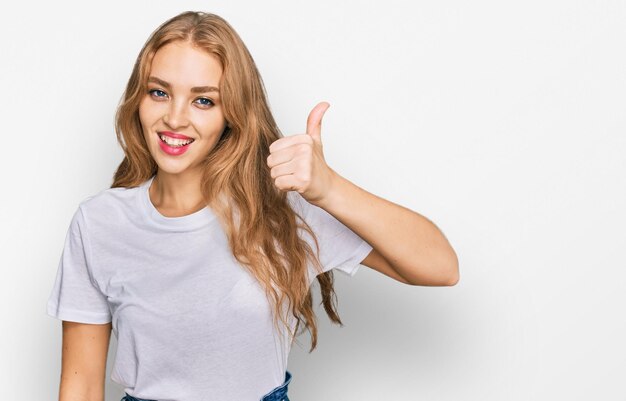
[(75, 296), (340, 247)]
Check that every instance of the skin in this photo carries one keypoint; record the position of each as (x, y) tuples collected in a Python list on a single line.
[(83, 361), (175, 190)]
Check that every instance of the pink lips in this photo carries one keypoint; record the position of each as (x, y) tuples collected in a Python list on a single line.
[(173, 150), (174, 135)]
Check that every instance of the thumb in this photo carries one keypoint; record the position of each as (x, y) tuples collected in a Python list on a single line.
[(314, 122)]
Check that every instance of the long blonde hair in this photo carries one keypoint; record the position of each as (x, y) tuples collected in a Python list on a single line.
[(261, 227)]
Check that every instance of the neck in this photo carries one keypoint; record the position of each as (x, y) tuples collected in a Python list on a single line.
[(176, 195)]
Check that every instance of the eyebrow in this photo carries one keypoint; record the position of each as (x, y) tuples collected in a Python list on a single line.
[(195, 89)]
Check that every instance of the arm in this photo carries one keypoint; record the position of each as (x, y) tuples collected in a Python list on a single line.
[(84, 355), (407, 246)]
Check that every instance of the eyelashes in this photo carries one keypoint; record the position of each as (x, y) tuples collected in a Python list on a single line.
[(155, 94)]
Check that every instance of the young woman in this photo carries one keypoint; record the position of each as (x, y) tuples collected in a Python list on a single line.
[(201, 255)]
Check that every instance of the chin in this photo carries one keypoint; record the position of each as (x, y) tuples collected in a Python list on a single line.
[(173, 168)]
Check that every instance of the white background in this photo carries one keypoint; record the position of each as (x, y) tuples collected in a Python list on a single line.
[(503, 122)]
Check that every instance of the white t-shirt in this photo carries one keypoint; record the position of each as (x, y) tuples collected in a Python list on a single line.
[(191, 323)]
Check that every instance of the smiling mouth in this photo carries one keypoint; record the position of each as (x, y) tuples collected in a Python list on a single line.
[(174, 143)]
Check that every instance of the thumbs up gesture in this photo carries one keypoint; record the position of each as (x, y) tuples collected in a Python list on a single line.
[(297, 161)]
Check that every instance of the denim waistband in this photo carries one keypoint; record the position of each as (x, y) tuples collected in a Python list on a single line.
[(129, 397), (280, 392), (277, 394)]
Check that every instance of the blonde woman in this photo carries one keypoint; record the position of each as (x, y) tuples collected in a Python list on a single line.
[(200, 255)]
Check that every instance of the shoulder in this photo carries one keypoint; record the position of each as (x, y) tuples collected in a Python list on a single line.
[(108, 206), (106, 199)]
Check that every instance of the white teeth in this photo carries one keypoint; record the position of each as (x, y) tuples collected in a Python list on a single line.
[(174, 141)]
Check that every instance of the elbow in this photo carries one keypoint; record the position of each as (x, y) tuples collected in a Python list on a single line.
[(453, 277), (453, 280), (438, 280), (448, 270), (448, 273)]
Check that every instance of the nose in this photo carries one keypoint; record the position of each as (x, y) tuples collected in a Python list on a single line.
[(176, 116)]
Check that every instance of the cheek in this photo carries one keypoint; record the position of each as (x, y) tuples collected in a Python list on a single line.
[(211, 125), (148, 112), (142, 115)]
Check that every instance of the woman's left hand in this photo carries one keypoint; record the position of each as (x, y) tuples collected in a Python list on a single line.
[(297, 162)]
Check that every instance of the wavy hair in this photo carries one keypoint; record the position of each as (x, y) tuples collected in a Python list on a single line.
[(261, 226)]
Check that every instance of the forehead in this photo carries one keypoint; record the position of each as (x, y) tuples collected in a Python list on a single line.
[(183, 65)]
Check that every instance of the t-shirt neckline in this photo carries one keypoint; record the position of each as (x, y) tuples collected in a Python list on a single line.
[(195, 220)]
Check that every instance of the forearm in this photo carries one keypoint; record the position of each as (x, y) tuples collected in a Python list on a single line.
[(412, 244)]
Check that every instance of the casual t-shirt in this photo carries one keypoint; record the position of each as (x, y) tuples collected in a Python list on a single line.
[(191, 323)]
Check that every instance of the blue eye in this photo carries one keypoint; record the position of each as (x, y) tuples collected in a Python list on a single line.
[(155, 90), (209, 101)]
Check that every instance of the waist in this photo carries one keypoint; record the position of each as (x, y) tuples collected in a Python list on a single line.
[(278, 393)]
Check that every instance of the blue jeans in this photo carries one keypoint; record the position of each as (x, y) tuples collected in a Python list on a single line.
[(277, 394)]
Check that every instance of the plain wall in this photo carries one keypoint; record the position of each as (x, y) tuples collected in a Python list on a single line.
[(502, 122)]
